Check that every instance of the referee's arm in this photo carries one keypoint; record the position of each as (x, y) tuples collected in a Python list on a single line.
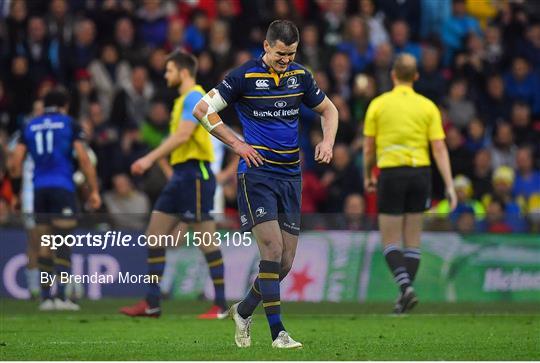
[(370, 182), (370, 160), (440, 154)]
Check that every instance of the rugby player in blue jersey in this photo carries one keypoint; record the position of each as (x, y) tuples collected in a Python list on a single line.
[(51, 139), (267, 93)]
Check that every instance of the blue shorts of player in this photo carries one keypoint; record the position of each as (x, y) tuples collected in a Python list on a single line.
[(264, 198), (190, 192), (54, 203)]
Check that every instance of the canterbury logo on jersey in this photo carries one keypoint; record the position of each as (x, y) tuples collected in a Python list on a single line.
[(262, 83)]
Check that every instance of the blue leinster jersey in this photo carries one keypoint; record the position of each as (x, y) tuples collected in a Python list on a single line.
[(49, 139), (268, 105)]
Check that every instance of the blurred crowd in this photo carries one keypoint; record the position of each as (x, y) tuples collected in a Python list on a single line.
[(479, 61)]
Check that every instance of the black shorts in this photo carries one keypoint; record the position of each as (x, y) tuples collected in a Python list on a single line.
[(189, 194), (263, 198), (54, 203), (404, 190)]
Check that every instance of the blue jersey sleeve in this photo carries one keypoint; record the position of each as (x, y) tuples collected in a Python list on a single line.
[(189, 104), (313, 95), (232, 86)]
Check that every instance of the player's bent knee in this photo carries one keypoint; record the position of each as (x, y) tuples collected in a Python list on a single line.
[(271, 251)]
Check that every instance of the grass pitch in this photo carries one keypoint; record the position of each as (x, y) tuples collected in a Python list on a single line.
[(489, 331)]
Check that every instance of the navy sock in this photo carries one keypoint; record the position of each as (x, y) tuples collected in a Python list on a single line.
[(269, 287), (253, 298), (250, 302)]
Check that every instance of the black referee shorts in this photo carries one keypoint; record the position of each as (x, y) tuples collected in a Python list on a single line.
[(404, 190)]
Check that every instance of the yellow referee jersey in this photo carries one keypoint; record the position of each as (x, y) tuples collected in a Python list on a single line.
[(403, 122), (199, 145)]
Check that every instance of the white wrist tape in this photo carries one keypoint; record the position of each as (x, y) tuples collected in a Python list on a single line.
[(216, 103)]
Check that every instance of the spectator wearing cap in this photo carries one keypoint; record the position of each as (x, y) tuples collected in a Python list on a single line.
[(503, 184), (466, 203)]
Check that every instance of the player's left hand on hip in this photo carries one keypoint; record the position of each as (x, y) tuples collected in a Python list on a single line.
[(323, 152)]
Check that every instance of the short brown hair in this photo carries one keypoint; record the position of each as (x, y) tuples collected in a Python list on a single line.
[(405, 67), (282, 30), (184, 60)]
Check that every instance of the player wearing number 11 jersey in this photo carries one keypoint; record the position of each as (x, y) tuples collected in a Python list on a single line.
[(51, 139)]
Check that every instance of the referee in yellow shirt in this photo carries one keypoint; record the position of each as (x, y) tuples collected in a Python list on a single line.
[(400, 126)]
